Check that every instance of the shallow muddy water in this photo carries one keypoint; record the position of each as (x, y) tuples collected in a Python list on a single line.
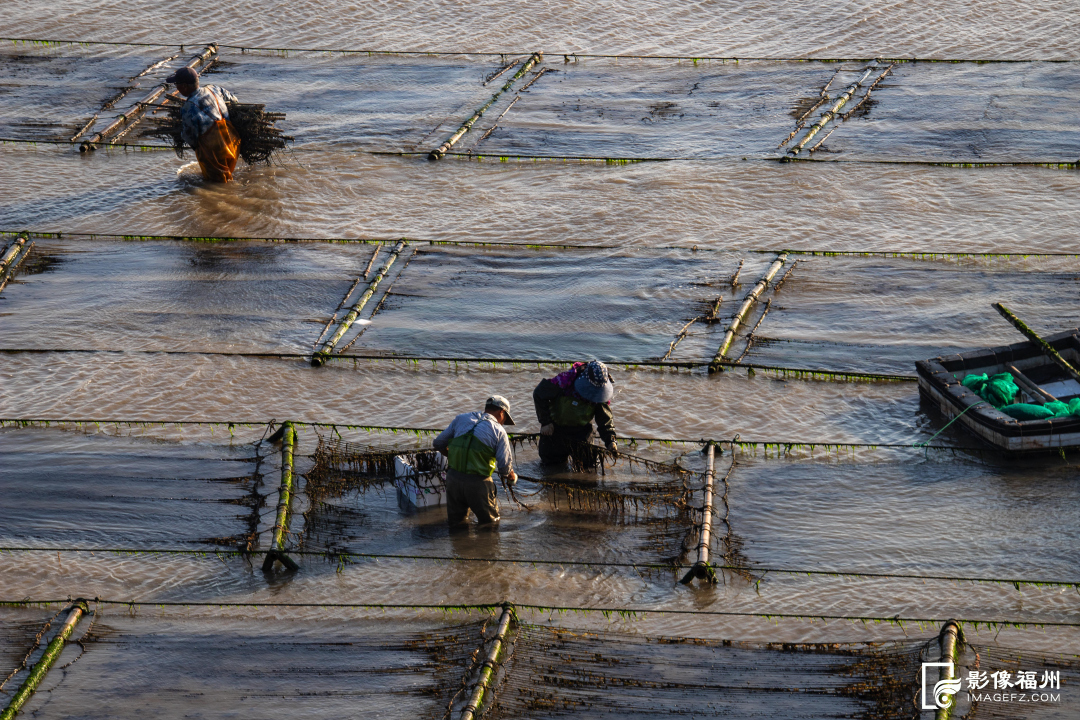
[(521, 257)]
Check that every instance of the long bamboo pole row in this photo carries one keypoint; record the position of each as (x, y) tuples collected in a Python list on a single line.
[(281, 523), (41, 668), (139, 108), (830, 114), (487, 670), (1039, 342), (439, 152), (702, 569), (320, 357), (748, 302), (566, 55), (949, 642)]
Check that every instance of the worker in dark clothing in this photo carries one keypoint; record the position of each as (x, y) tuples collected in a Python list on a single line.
[(475, 444), (566, 406)]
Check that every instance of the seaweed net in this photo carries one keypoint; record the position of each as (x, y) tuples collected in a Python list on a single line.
[(321, 670), (556, 672), (260, 138), (659, 502)]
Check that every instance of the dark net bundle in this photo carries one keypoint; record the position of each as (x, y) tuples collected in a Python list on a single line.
[(260, 138), (556, 673)]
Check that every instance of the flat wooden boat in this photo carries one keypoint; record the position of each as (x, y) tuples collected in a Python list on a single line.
[(939, 382)]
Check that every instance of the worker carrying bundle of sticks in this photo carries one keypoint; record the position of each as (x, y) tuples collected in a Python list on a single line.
[(218, 127)]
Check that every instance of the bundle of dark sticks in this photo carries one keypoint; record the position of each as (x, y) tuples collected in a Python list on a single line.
[(259, 135)]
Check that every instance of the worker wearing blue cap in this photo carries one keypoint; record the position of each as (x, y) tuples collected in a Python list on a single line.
[(204, 119), (566, 406)]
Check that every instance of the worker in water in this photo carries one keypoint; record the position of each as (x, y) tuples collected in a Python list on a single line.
[(476, 444), (566, 406), (204, 119)]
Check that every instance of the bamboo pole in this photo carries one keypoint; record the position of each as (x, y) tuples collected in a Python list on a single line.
[(281, 524), (48, 659), (320, 357), (949, 641), (748, 302), (131, 116), (1039, 395), (1039, 342), (9, 273), (487, 670), (439, 152), (869, 90), (13, 250), (799, 124), (702, 569), (830, 114)]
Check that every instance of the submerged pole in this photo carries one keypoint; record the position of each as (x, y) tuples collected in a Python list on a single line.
[(748, 303), (949, 640), (139, 108), (487, 670), (702, 569), (281, 524), (13, 249), (439, 152), (1039, 342), (42, 666), (320, 356)]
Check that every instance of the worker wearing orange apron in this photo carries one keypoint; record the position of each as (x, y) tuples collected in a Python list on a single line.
[(205, 125)]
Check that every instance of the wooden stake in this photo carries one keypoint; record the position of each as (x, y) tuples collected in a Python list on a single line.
[(281, 524), (748, 303), (321, 356), (1039, 342), (948, 640), (139, 108), (487, 670), (42, 666), (439, 152), (702, 569)]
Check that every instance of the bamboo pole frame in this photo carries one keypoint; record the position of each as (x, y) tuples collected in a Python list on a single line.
[(319, 357), (1035, 338), (830, 114), (702, 569), (950, 643), (281, 524), (137, 110), (748, 302), (487, 670), (440, 152), (41, 668)]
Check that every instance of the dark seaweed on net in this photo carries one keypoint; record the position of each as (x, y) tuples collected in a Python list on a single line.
[(260, 138)]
